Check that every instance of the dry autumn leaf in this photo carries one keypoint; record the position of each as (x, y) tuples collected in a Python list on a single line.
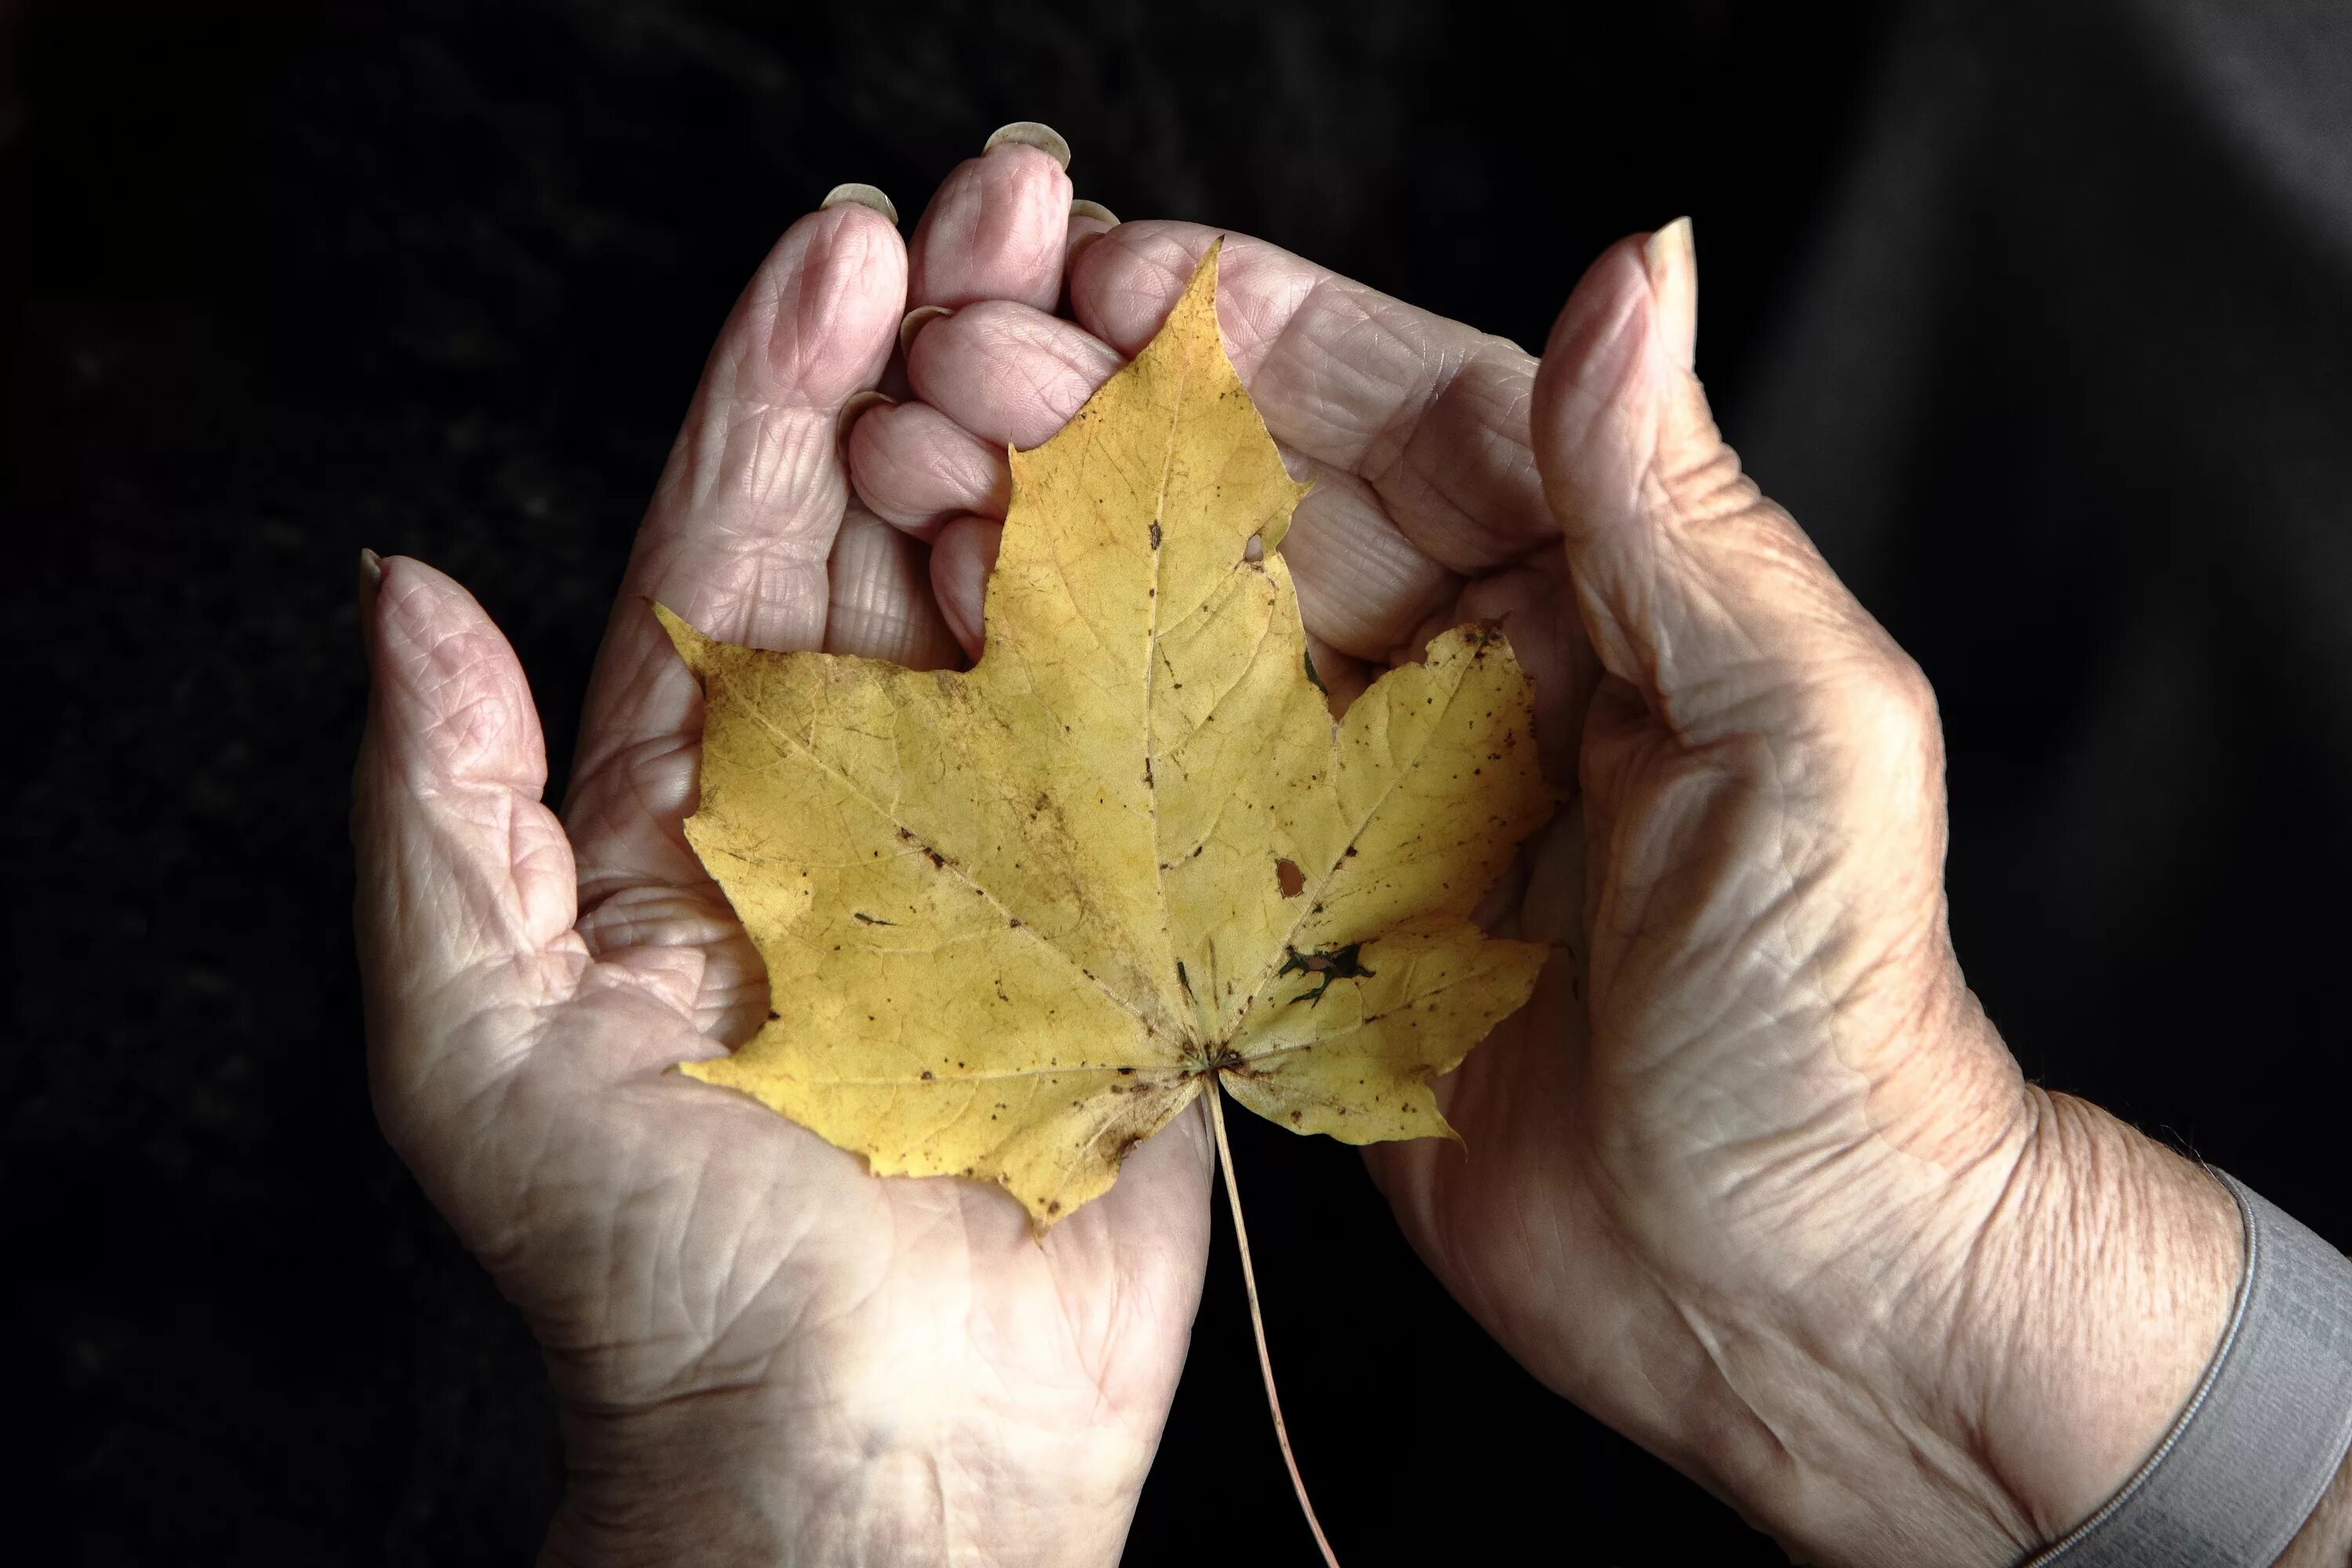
[(1014, 917)]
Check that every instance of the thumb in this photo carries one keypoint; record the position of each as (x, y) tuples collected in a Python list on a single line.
[(466, 885), (1696, 590)]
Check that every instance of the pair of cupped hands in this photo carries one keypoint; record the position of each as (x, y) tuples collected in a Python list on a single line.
[(1751, 1178)]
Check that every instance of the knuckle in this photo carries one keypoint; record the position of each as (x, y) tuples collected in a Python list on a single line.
[(1709, 488), (1891, 718)]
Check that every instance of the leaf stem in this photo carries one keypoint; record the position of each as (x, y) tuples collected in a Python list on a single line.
[(1257, 1321)]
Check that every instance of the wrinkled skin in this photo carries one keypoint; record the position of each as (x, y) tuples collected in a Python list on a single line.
[(1751, 1178), (762, 1351)]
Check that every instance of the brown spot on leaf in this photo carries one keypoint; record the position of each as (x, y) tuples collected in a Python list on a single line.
[(1293, 879)]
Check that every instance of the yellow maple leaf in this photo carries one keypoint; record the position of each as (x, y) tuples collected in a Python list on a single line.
[(1014, 917)]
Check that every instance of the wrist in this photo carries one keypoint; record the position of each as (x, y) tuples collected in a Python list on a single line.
[(2061, 1301), (1990, 1353), (745, 1477), (2105, 1280)]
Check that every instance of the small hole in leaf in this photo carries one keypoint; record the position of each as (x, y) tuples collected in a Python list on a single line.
[(1293, 879), (1256, 549)]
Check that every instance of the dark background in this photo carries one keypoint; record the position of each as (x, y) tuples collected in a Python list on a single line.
[(2035, 312)]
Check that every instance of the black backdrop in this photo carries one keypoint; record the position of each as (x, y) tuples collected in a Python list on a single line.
[(2034, 312)]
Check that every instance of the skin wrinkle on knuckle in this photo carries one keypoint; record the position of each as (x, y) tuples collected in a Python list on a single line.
[(1428, 452), (1361, 584), (456, 744), (1054, 397), (1702, 474), (641, 914), (747, 457), (1343, 357), (955, 467), (601, 882), (1009, 372), (914, 468)]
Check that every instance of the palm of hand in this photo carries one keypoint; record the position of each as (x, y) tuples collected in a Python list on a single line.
[(728, 1303), (687, 1249)]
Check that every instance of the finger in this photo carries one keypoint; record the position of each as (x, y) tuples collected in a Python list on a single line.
[(1015, 375), (1089, 221), (882, 602), (1009, 374), (961, 558), (1527, 601), (466, 888), (1363, 586), (737, 541), (1342, 677), (1703, 594), (997, 228), (742, 520), (1430, 412), (914, 468)]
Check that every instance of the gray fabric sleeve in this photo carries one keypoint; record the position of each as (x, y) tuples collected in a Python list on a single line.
[(2261, 1439)]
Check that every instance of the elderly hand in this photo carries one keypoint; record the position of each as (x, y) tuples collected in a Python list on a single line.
[(761, 1352), (1752, 1178)]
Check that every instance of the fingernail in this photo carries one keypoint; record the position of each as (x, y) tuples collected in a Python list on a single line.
[(917, 320), (1667, 250), (861, 196), (370, 579), (1030, 133), (859, 402), (1081, 207), (1671, 260)]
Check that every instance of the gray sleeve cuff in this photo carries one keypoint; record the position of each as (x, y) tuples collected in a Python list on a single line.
[(2253, 1452)]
